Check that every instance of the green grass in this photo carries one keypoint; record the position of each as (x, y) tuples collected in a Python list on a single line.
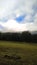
[(27, 53)]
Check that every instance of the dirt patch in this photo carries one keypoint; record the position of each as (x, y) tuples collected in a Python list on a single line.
[(12, 57)]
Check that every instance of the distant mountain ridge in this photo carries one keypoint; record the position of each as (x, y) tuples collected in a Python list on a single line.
[(34, 32)]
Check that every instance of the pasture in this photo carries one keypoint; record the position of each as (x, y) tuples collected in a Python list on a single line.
[(18, 53)]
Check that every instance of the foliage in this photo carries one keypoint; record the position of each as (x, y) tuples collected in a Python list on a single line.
[(22, 37)]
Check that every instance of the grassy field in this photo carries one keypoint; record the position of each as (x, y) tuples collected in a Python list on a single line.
[(18, 53)]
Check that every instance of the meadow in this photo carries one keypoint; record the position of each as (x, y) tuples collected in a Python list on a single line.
[(18, 53)]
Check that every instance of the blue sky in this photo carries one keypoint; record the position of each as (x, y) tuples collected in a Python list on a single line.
[(22, 11), (20, 18)]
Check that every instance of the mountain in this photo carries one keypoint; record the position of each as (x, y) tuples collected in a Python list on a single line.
[(34, 32)]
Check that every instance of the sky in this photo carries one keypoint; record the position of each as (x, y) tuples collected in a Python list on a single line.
[(18, 15)]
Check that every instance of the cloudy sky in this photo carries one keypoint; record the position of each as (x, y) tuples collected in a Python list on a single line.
[(18, 15)]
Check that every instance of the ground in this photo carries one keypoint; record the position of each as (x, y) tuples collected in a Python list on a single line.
[(18, 53)]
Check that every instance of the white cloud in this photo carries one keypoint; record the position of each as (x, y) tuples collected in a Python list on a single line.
[(10, 9), (12, 25), (35, 18), (7, 7)]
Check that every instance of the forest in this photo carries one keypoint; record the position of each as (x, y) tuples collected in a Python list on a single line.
[(25, 36)]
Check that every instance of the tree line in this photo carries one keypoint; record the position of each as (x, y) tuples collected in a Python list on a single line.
[(20, 37)]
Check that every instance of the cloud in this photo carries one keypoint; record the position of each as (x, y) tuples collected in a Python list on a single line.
[(13, 26), (11, 12), (11, 8), (7, 7)]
